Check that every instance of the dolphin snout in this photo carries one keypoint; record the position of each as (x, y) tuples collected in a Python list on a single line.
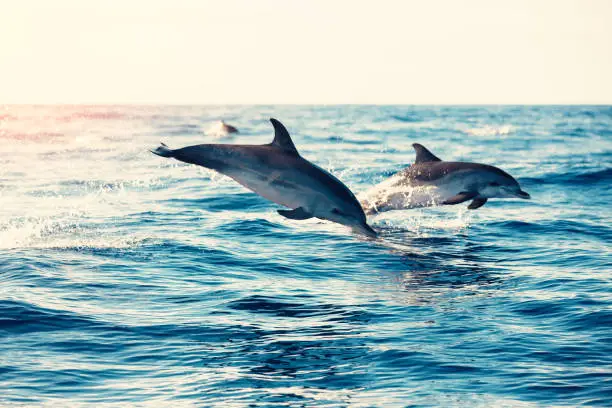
[(523, 194), (365, 229)]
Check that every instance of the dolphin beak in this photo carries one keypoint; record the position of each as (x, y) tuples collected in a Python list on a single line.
[(523, 194), (365, 229)]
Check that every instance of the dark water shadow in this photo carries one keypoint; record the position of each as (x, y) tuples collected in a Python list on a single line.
[(451, 262)]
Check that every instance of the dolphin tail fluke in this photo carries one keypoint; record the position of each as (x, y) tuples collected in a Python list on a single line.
[(163, 151)]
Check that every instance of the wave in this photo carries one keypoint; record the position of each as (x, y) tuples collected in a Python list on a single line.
[(347, 140), (21, 317), (556, 226), (228, 201), (51, 233), (579, 178), (46, 137), (407, 118), (490, 131), (283, 308), (92, 115)]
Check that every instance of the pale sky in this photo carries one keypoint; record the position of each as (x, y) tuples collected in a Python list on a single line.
[(318, 51)]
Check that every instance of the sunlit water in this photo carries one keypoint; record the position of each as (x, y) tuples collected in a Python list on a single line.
[(129, 279)]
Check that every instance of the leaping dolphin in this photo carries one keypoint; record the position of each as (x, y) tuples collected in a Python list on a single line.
[(431, 181), (276, 171)]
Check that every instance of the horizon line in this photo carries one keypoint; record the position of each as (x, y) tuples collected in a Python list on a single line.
[(298, 104)]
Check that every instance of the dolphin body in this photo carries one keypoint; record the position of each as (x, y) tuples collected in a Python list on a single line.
[(276, 171), (431, 181)]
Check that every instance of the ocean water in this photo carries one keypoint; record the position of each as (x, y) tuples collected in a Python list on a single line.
[(127, 279)]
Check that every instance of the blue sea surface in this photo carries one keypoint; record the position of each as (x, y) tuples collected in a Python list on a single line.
[(127, 279)]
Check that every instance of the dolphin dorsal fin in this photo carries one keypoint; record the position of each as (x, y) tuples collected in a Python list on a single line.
[(281, 137), (423, 155)]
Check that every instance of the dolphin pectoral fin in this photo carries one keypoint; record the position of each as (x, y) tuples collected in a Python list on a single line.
[(477, 203), (298, 214), (459, 198)]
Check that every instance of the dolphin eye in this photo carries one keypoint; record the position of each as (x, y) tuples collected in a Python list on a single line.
[(494, 184)]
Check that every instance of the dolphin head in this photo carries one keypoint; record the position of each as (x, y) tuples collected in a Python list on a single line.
[(499, 184), (365, 229), (353, 218)]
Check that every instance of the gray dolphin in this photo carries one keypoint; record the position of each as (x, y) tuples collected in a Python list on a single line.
[(431, 181), (222, 129), (276, 171), (227, 128)]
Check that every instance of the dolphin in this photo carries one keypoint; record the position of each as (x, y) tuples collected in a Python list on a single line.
[(222, 129), (431, 181), (227, 128), (276, 171)]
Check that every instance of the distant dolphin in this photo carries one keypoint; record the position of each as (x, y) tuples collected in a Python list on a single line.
[(431, 181), (277, 172), (221, 129), (227, 128)]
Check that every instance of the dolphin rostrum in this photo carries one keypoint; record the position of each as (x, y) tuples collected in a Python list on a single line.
[(431, 181), (276, 171)]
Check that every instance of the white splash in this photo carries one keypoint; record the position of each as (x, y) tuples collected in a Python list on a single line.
[(393, 194), (221, 130), (490, 130)]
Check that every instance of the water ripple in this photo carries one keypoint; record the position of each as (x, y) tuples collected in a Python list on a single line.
[(129, 280)]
